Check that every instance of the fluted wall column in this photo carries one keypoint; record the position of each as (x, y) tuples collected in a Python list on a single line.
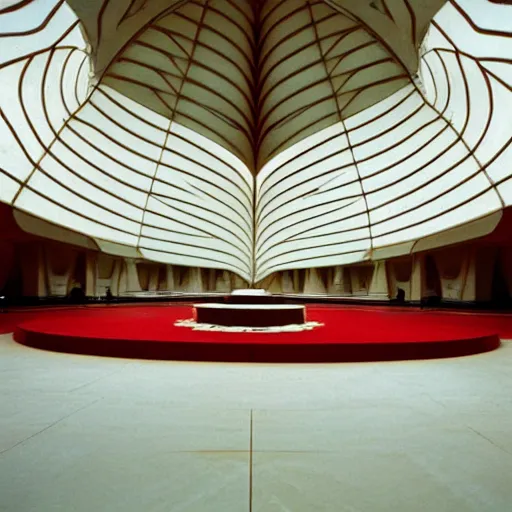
[(313, 283), (132, 276)]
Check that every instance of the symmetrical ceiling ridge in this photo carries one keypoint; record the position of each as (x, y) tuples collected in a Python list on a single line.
[(266, 121)]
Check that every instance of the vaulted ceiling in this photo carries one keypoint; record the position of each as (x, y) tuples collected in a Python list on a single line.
[(256, 76), (371, 128)]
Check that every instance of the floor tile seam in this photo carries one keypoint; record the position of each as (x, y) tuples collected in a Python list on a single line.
[(489, 440), (98, 379), (48, 427)]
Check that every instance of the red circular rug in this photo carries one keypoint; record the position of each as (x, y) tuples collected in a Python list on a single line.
[(347, 334)]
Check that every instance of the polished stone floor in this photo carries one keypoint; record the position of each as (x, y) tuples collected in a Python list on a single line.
[(81, 434)]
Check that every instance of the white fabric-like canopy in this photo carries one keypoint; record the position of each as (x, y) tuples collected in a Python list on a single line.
[(257, 136)]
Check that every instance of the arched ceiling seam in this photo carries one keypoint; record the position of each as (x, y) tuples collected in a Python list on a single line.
[(421, 92), (335, 98), (155, 18), (171, 118), (334, 5), (460, 135), (220, 134), (48, 147)]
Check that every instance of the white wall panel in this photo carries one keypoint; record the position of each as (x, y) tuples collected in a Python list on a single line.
[(499, 70), (393, 165), (454, 152), (499, 169), (441, 90), (389, 136), (14, 161), (147, 116), (476, 208), (179, 217), (10, 103), (485, 15), (75, 162), (271, 172), (36, 204), (500, 126), (341, 258), (214, 249), (26, 21), (427, 207), (505, 191), (379, 109), (109, 146), (388, 119), (51, 189), (143, 130), (127, 146), (337, 216), (479, 99), (224, 159), (8, 188), (64, 175)]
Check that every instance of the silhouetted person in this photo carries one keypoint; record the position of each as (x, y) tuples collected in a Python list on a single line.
[(400, 296), (431, 301), (109, 296), (77, 295)]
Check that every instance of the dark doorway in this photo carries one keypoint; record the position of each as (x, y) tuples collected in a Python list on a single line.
[(499, 294), (433, 292)]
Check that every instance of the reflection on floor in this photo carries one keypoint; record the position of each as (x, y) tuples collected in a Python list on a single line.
[(81, 433)]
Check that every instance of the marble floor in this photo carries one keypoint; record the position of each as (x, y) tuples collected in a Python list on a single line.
[(82, 434)]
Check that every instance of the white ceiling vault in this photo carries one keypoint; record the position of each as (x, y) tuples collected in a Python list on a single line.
[(257, 136), (258, 76)]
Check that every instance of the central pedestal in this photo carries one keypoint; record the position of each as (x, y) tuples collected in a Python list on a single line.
[(250, 315)]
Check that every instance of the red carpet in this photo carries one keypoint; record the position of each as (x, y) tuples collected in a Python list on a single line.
[(348, 334)]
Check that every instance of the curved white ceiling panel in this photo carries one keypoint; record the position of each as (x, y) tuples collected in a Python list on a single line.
[(256, 136)]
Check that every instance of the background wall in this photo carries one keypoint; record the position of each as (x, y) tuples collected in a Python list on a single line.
[(477, 271), (465, 273)]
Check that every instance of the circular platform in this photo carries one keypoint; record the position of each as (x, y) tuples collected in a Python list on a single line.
[(347, 334), (250, 315)]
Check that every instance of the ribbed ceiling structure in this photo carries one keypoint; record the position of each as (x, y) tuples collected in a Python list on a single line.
[(257, 76), (257, 136)]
